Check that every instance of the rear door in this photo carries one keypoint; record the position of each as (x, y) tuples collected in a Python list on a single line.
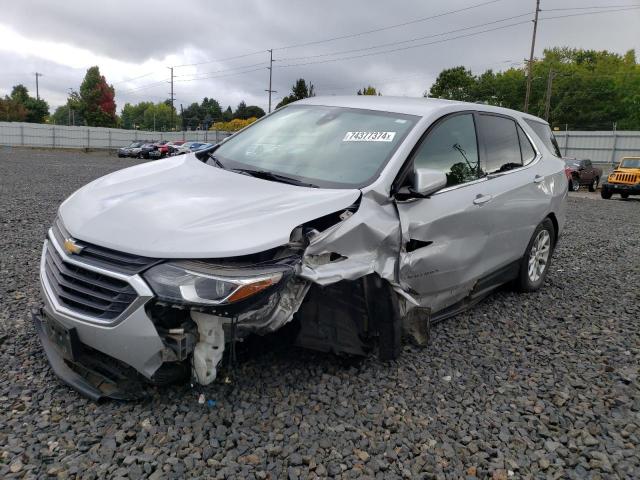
[(445, 236), (516, 184)]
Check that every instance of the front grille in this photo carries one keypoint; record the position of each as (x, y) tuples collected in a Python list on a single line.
[(105, 257), (84, 291), (630, 178)]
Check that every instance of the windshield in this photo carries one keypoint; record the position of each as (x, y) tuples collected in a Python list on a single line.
[(331, 147), (630, 163)]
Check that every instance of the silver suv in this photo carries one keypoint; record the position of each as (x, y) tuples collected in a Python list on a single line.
[(349, 221)]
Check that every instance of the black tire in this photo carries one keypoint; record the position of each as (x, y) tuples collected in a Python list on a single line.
[(384, 317), (574, 184), (526, 282), (605, 193), (593, 186), (624, 195)]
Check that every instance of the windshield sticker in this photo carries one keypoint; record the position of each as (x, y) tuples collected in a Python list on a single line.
[(369, 137)]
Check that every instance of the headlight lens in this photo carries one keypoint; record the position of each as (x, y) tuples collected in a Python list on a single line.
[(197, 283)]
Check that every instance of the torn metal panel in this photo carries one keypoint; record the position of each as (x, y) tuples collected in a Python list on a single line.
[(366, 242), (278, 310)]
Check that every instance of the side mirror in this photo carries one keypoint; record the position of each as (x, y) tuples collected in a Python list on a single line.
[(427, 181)]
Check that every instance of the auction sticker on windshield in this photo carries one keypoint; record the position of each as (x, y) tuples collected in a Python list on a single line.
[(369, 137)]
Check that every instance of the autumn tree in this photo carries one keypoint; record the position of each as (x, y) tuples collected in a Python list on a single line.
[(368, 91), (97, 104)]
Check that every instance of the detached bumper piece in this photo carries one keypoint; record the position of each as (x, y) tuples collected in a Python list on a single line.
[(93, 374)]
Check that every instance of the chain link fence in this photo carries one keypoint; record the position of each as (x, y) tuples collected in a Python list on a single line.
[(21, 134)]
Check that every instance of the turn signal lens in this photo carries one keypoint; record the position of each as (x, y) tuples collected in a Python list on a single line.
[(252, 288)]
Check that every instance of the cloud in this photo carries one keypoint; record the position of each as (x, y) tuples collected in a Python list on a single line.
[(140, 39)]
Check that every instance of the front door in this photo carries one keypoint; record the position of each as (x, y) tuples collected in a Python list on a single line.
[(445, 236)]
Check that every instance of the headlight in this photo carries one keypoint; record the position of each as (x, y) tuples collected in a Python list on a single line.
[(197, 283)]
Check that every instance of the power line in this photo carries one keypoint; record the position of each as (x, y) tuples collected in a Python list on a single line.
[(219, 60), (588, 8), (389, 44), (407, 47), (388, 27), (591, 13), (223, 70)]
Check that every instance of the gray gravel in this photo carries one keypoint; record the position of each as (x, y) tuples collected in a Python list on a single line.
[(543, 385)]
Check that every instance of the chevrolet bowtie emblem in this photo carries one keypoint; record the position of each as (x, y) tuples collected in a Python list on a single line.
[(71, 247)]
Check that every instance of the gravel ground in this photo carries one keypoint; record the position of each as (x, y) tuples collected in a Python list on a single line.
[(543, 385)]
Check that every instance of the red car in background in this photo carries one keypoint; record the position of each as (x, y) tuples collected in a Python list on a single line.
[(582, 172), (164, 149)]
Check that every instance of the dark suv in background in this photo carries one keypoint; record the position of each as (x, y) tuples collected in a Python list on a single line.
[(582, 172)]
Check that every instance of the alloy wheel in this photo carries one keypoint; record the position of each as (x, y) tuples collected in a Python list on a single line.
[(539, 255)]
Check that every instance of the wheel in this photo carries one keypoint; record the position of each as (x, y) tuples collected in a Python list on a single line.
[(605, 193), (575, 184), (624, 195), (537, 258), (593, 186)]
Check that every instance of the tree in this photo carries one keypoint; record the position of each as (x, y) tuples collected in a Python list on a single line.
[(241, 111), (97, 103), (456, 83), (37, 110), (299, 90), (590, 89), (368, 91), (228, 114), (253, 111), (12, 110)]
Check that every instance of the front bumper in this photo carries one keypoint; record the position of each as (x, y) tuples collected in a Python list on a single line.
[(131, 338), (622, 188)]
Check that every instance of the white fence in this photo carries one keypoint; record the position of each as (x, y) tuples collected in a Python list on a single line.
[(599, 147), (19, 134)]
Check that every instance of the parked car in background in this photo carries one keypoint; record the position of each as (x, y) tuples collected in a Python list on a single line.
[(582, 172), (160, 151), (202, 146), (625, 179), (146, 149), (135, 151), (125, 151), (393, 213), (187, 147)]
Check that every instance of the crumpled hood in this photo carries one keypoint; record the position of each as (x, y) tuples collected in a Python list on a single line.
[(183, 208)]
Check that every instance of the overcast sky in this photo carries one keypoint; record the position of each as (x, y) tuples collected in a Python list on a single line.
[(130, 39)]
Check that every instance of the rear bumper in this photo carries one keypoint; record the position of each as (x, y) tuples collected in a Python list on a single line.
[(622, 188)]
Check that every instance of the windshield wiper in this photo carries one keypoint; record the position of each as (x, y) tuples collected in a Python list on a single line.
[(218, 163), (276, 177)]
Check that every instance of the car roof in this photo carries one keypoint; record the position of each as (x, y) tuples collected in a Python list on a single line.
[(419, 106)]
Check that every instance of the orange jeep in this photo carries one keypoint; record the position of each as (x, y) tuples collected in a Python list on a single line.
[(624, 180)]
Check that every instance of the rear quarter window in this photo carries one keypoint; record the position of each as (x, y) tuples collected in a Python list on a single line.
[(543, 131)]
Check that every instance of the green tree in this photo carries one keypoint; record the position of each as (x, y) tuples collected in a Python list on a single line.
[(368, 91), (37, 110), (253, 111), (299, 90), (97, 103), (455, 83)]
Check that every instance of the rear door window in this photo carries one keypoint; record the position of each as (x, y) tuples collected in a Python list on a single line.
[(501, 145), (528, 153), (543, 131)]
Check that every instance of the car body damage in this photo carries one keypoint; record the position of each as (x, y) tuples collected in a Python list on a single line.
[(194, 255)]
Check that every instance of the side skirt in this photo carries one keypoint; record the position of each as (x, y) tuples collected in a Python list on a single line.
[(482, 289)]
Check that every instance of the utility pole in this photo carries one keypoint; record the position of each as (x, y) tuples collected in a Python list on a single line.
[(172, 98), (530, 65), (37, 89), (547, 103), (270, 68)]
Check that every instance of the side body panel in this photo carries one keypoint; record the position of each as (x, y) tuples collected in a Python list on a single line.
[(452, 234)]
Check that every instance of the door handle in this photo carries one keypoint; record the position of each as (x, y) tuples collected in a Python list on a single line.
[(538, 179), (482, 199)]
